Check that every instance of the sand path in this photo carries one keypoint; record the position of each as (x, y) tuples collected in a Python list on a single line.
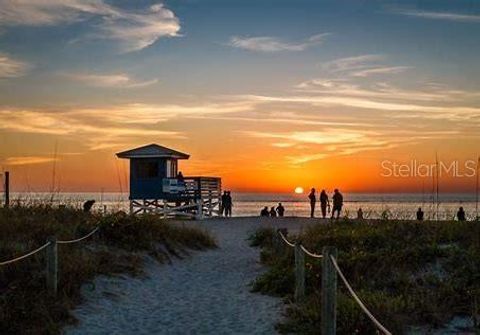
[(208, 293)]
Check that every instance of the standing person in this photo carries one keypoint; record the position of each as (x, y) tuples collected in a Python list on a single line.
[(280, 209), (337, 203), (461, 214), (223, 205), (313, 200), (420, 214), (324, 202), (229, 205), (273, 213)]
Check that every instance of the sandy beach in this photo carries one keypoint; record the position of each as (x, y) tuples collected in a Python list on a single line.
[(207, 293)]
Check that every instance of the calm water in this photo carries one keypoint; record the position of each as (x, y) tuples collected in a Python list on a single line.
[(398, 206)]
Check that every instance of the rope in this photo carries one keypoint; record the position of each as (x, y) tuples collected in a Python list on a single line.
[(310, 253), (285, 239), (79, 239), (357, 299), (25, 256)]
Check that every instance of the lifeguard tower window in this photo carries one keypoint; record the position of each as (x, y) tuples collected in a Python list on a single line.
[(147, 170)]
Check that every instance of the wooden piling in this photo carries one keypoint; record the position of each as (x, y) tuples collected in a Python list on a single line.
[(299, 273), (52, 266), (329, 293)]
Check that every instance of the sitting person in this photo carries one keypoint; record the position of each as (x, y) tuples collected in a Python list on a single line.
[(87, 205), (360, 214), (461, 214), (273, 212), (265, 212), (420, 214)]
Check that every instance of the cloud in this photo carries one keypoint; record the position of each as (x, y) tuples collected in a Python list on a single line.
[(328, 136), (380, 70), (11, 68), (138, 31), (351, 63), (361, 66), (317, 145), (50, 12), (447, 16), (273, 44), (108, 80), (27, 160), (113, 125), (133, 30)]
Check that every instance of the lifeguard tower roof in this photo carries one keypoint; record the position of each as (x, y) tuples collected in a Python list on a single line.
[(152, 151)]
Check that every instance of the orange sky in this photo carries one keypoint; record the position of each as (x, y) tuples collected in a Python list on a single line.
[(301, 94)]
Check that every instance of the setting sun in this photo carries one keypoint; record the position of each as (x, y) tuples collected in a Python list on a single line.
[(299, 190)]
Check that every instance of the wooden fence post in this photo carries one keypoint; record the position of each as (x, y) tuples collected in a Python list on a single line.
[(7, 189), (52, 266), (329, 292), (299, 272)]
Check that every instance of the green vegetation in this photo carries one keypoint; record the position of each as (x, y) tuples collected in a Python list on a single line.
[(119, 246), (407, 273)]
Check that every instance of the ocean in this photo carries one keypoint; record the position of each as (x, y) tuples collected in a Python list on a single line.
[(374, 205)]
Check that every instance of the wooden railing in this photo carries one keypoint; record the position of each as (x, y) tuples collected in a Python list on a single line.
[(200, 188)]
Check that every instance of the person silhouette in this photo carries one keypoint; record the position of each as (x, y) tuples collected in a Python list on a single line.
[(337, 203), (228, 205), (461, 214), (223, 205), (265, 212), (87, 205), (324, 202), (420, 214), (273, 213), (313, 200), (280, 209), (360, 214)]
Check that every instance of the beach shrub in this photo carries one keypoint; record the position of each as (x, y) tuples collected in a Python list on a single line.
[(119, 247), (408, 273)]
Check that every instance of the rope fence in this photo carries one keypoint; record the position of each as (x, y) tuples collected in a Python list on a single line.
[(329, 285), (79, 239), (311, 254), (31, 253), (285, 239), (51, 259), (357, 299)]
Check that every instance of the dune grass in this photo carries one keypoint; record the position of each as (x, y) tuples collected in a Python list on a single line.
[(408, 273), (119, 247)]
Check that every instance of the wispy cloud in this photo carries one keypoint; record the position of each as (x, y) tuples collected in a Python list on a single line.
[(274, 44), (380, 70), (317, 145), (120, 80), (351, 63), (27, 160), (111, 126), (448, 16), (12, 68), (133, 30), (361, 66)]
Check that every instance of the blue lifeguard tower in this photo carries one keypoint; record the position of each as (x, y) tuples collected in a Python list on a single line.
[(156, 185)]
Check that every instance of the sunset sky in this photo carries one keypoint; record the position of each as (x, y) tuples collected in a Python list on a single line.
[(268, 95)]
